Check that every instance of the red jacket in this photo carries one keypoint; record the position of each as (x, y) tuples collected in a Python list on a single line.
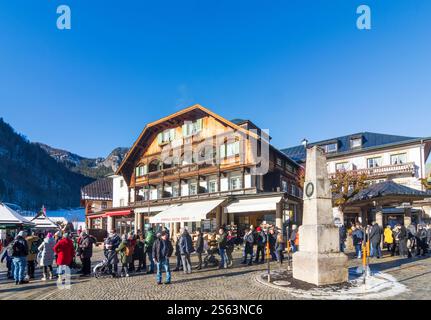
[(65, 251)]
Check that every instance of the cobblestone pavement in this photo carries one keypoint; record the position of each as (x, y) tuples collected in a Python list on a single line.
[(227, 284)]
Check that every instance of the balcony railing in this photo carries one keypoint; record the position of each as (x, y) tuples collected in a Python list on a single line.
[(176, 171), (389, 170), (203, 195)]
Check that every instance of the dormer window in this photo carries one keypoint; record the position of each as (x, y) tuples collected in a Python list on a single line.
[(330, 147), (355, 142)]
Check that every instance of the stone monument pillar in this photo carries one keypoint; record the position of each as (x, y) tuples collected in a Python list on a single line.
[(319, 260)]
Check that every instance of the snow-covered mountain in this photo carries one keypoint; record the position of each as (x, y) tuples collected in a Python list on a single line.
[(90, 167)]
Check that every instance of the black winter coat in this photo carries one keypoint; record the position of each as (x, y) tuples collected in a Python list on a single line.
[(375, 234), (200, 244), (158, 255), (86, 246)]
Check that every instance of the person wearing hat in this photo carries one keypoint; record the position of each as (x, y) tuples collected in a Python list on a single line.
[(260, 248), (33, 243), (19, 260)]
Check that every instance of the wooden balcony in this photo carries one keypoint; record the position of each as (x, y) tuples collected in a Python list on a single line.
[(185, 172), (405, 169), (199, 196)]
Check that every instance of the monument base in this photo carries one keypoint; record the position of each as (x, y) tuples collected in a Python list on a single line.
[(320, 268)]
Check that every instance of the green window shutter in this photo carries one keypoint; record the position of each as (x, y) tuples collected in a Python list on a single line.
[(171, 134), (137, 171), (160, 138), (145, 169), (236, 147), (200, 124), (184, 130), (223, 151)]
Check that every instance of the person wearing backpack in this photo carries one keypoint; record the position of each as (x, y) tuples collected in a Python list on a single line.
[(33, 243), (19, 260)]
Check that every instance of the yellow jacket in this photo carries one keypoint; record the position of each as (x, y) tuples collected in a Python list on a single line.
[(387, 236)]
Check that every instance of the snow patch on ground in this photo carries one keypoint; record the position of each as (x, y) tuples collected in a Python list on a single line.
[(378, 286)]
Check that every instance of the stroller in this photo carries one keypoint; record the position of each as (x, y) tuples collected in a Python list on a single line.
[(102, 268), (210, 257)]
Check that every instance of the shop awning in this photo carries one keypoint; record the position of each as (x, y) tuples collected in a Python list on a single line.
[(118, 213), (187, 212), (94, 216), (253, 205), (155, 208)]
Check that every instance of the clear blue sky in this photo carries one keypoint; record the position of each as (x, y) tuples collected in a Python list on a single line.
[(299, 68)]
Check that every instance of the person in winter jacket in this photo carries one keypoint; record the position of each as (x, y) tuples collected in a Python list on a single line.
[(343, 236), (179, 264), (33, 242), (248, 246), (221, 243), (230, 245), (403, 241), (6, 255), (421, 240), (111, 244), (125, 251), (388, 238), (375, 238), (272, 237), (132, 240), (199, 248), (428, 235), (186, 248), (162, 250), (139, 253), (46, 249), (260, 245), (65, 254), (85, 247), (279, 248), (19, 257), (149, 241), (357, 238)]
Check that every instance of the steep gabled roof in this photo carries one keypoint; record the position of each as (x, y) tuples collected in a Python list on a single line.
[(153, 128), (100, 189), (370, 140)]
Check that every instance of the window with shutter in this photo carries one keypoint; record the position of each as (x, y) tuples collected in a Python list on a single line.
[(223, 151), (160, 138), (137, 171)]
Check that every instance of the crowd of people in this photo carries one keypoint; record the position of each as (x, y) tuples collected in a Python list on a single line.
[(156, 247), (149, 251), (27, 250), (413, 240)]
